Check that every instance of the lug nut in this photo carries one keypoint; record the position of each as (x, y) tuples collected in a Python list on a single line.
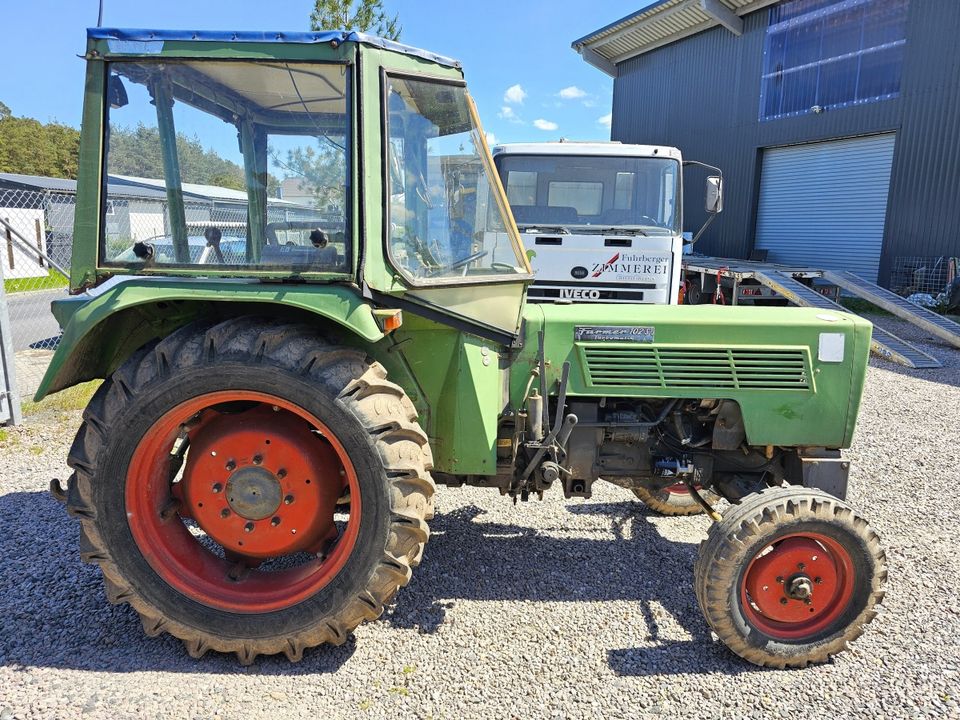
[(231, 465), (257, 459), (248, 527), (275, 521), (288, 499), (783, 601), (217, 487), (780, 580), (281, 473), (818, 580), (225, 513), (802, 566)]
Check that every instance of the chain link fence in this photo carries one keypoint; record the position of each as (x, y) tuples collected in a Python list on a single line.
[(36, 240), (36, 243), (928, 275)]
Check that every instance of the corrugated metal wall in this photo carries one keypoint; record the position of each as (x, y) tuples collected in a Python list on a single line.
[(702, 95), (824, 204)]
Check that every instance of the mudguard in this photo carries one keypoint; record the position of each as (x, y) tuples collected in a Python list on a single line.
[(102, 326)]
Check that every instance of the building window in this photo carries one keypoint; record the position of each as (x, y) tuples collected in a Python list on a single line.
[(823, 54)]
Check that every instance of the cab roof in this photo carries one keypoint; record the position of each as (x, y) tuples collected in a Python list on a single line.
[(134, 40)]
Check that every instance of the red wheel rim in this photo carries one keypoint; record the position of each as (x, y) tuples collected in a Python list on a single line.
[(798, 586), (261, 479), (680, 489)]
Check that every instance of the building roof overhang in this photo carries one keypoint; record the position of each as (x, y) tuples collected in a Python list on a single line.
[(661, 23)]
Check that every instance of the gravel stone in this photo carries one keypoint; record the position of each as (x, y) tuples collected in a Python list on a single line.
[(573, 609)]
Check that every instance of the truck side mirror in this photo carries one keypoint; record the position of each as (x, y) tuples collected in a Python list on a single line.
[(714, 202)]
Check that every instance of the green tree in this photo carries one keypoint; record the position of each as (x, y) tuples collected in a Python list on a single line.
[(4, 111), (136, 151), (30, 147), (360, 15)]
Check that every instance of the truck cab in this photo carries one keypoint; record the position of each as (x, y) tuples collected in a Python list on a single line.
[(600, 221)]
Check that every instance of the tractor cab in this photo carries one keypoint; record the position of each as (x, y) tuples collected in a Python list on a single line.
[(312, 157)]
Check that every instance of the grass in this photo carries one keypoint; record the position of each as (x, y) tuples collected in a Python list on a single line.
[(71, 399), (857, 305), (51, 281)]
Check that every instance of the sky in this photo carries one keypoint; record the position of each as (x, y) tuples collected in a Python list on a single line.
[(528, 83)]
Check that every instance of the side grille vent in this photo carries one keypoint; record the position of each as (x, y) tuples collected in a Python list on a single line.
[(672, 367)]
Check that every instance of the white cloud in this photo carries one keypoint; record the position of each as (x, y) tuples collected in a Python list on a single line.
[(572, 93), (541, 124), (515, 95), (606, 120), (491, 139), (507, 113)]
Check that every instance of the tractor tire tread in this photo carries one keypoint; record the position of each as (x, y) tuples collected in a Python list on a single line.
[(382, 409), (722, 554)]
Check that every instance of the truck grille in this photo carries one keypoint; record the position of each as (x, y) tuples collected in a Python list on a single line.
[(684, 367)]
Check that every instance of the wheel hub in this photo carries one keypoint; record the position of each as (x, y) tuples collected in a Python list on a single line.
[(262, 484), (254, 492), (798, 585)]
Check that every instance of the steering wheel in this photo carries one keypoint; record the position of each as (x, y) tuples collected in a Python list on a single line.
[(462, 262)]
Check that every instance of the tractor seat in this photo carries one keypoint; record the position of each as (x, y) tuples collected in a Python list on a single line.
[(326, 258)]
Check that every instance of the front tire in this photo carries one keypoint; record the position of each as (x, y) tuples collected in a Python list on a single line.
[(207, 475), (789, 577)]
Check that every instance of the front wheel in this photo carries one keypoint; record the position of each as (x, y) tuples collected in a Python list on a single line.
[(250, 488), (789, 577)]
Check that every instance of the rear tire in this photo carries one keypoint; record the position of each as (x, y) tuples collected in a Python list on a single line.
[(251, 375), (789, 577)]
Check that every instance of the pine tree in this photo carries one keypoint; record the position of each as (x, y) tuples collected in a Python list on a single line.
[(360, 15)]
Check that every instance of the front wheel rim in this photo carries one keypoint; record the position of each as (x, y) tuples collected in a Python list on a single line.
[(797, 587), (248, 526)]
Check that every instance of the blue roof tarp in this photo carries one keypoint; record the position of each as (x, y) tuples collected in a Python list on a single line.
[(262, 36)]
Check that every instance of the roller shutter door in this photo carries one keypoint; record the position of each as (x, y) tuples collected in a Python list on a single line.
[(824, 204)]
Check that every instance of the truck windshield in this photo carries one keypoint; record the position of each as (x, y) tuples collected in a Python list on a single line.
[(231, 165), (446, 212), (592, 193)]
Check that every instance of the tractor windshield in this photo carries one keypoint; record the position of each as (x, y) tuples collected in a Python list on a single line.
[(593, 193), (447, 214), (229, 165)]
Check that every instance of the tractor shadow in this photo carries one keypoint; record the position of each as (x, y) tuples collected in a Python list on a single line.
[(469, 559), (54, 613)]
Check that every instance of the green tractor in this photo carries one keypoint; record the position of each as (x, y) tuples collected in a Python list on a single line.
[(289, 374)]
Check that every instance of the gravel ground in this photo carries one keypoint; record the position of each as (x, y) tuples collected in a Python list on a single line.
[(552, 609)]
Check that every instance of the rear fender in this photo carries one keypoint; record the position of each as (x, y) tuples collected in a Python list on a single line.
[(102, 327)]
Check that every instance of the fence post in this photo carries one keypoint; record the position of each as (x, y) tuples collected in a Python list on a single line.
[(40, 248), (9, 395), (9, 244)]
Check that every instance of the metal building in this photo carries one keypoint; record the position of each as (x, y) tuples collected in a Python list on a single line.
[(836, 124)]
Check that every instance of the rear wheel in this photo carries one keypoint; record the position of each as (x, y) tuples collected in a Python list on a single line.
[(250, 488), (789, 577), (674, 499)]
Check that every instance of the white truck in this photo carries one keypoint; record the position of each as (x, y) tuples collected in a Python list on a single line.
[(601, 221)]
